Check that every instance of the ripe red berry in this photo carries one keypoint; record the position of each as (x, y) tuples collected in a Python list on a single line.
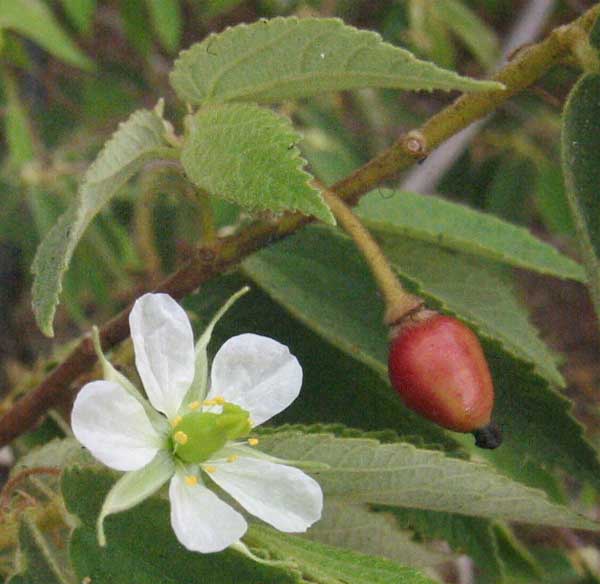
[(438, 368)]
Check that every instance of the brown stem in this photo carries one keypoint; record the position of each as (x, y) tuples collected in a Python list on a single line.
[(527, 66)]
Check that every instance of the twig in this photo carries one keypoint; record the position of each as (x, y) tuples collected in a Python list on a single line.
[(209, 261)]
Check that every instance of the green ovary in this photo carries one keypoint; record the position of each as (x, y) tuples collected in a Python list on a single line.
[(200, 434)]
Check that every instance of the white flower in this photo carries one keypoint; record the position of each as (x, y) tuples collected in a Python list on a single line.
[(188, 435)]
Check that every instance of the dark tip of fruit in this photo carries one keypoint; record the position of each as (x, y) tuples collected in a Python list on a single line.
[(489, 436)]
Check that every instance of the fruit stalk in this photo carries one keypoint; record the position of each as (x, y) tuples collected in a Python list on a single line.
[(436, 363)]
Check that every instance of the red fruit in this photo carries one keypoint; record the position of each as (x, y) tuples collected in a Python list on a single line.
[(437, 366)]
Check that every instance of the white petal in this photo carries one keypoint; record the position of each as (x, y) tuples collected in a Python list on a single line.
[(256, 373), (164, 350), (197, 391), (134, 487), (112, 425), (111, 374), (280, 495), (200, 520)]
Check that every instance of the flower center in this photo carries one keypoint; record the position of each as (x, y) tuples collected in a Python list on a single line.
[(197, 435)]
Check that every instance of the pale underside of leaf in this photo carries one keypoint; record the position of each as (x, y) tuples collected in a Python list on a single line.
[(330, 565), (284, 58), (248, 155), (358, 528), (455, 226), (364, 471), (138, 140)]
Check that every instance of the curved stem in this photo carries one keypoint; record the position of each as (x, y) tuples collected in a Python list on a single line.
[(527, 67), (397, 301)]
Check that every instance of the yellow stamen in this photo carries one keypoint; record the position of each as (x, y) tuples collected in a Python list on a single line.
[(253, 441), (210, 468), (191, 480), (194, 405), (180, 437), (215, 401), (232, 458), (175, 421)]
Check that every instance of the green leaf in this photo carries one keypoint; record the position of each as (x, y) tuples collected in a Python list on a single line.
[(329, 565), (136, 25), (358, 528), (34, 20), (474, 33), (166, 21), (80, 12), (342, 306), (140, 139), (539, 429), (551, 199), (247, 155), (455, 226), (517, 560), (41, 562), (480, 292), (212, 8), (513, 180), (581, 166), (365, 471), (284, 58), (141, 546), (18, 130), (429, 34)]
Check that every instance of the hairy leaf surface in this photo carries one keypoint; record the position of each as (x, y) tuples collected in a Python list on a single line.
[(285, 58), (365, 471), (248, 155)]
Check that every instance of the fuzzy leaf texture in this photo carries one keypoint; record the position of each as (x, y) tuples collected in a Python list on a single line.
[(34, 20), (365, 471), (140, 139), (581, 167), (538, 427), (248, 155), (455, 226), (289, 58)]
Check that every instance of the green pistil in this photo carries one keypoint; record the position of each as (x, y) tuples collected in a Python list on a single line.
[(198, 435)]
